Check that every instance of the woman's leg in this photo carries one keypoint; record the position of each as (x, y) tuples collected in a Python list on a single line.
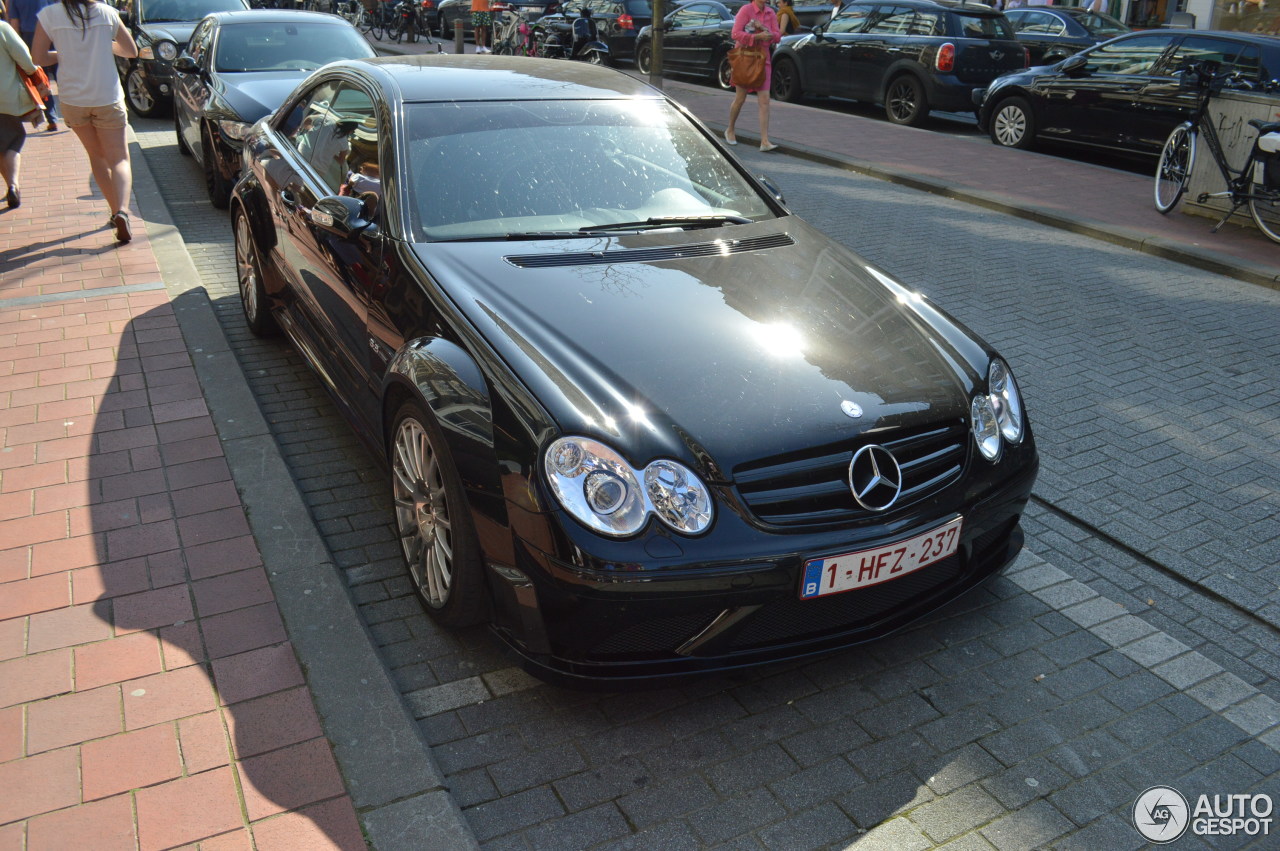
[(109, 162), (763, 97), (9, 164), (739, 98)]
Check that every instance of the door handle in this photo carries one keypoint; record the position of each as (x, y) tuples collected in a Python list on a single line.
[(286, 198)]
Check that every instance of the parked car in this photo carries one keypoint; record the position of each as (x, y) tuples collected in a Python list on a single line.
[(637, 416), (240, 66), (161, 29), (1052, 33), (1125, 94), (449, 11), (617, 22), (696, 39), (913, 56)]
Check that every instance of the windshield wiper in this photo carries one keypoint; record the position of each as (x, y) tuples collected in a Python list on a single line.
[(670, 222)]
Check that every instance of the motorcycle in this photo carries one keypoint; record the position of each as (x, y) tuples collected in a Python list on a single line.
[(584, 45)]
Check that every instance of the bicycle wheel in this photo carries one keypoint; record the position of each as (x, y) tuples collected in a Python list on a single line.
[(1264, 206), (365, 22), (1176, 161)]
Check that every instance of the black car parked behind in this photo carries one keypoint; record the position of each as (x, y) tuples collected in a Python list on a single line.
[(911, 55), (1052, 33)]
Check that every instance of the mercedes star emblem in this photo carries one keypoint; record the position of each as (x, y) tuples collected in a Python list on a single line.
[(875, 478), (851, 409)]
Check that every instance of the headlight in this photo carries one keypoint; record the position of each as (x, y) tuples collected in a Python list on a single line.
[(236, 130), (986, 431), (1005, 401), (603, 491), (167, 50)]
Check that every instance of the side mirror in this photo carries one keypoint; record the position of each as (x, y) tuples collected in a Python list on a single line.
[(772, 189), (184, 64), (1074, 64), (343, 216)]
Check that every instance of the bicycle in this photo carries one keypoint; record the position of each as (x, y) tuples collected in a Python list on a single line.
[(380, 21), (514, 37), (1256, 184)]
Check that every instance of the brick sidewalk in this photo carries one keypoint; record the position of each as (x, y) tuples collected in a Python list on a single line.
[(149, 697)]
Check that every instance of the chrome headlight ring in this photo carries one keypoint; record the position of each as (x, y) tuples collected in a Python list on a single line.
[(602, 491), (166, 50), (997, 417)]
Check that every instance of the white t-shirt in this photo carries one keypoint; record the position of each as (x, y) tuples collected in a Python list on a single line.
[(86, 67)]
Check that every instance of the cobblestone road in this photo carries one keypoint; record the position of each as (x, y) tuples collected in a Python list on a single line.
[(1029, 714)]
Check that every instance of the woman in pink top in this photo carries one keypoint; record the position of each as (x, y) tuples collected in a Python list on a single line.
[(756, 25)]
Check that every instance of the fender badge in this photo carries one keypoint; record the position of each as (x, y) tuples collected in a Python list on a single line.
[(851, 409)]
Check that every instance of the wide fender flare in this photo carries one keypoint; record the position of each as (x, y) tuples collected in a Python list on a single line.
[(905, 67), (448, 382)]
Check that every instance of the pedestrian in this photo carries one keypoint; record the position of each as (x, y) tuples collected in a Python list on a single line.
[(83, 35), (481, 18), (22, 16), (15, 103), (788, 21), (755, 25)]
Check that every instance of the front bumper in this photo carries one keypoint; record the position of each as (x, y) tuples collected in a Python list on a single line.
[(157, 74), (671, 615)]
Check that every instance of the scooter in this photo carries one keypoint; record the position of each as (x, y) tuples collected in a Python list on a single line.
[(586, 44)]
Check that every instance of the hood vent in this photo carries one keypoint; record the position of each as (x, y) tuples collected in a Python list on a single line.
[(650, 255)]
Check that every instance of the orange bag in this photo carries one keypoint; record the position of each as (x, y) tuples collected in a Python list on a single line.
[(748, 67)]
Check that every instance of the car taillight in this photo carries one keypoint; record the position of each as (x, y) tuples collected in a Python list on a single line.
[(428, 4), (625, 22), (946, 59)]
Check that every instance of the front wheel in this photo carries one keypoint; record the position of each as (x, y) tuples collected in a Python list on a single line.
[(595, 57), (433, 521), (786, 81), (1174, 169), (218, 186), (253, 298), (1012, 124), (724, 73), (904, 102), (1264, 206), (141, 101)]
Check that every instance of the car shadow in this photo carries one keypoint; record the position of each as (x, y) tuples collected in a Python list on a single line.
[(221, 737)]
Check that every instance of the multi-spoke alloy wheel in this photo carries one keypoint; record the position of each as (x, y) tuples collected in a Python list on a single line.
[(252, 297)]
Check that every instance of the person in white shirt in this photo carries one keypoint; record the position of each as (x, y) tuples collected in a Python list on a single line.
[(82, 36)]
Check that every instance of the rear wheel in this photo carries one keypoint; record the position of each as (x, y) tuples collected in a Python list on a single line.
[(1264, 206), (433, 521), (786, 81), (644, 60), (1174, 169), (1012, 124), (904, 101)]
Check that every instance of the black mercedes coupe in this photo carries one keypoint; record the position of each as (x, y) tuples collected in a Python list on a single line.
[(636, 415)]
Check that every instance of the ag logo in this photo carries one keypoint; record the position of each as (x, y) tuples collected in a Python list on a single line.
[(1160, 814)]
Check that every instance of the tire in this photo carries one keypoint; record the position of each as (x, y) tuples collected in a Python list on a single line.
[(1012, 124), (366, 22), (141, 101), (253, 298), (394, 27), (644, 60), (433, 520), (785, 85), (1265, 209), (904, 101), (1177, 158), (724, 73), (219, 187), (183, 148)]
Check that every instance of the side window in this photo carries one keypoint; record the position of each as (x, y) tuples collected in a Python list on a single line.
[(1038, 23), (851, 20), (1136, 56), (1195, 49), (928, 23), (302, 126), (1249, 63), (691, 16), (892, 20), (345, 154), (200, 39)]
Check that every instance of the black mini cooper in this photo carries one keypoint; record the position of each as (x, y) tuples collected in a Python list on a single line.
[(635, 414), (913, 56)]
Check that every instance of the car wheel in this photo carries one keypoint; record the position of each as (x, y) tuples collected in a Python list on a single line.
[(183, 148), (1012, 124), (433, 521), (724, 73), (786, 81), (140, 99), (644, 60), (904, 101), (219, 187), (253, 298)]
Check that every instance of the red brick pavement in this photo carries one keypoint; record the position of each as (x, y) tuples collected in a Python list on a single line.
[(149, 697)]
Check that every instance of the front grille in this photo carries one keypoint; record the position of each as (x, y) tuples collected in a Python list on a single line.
[(794, 619), (812, 487), (657, 636)]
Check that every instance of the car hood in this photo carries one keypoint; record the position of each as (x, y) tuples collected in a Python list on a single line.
[(178, 32), (253, 94), (729, 353)]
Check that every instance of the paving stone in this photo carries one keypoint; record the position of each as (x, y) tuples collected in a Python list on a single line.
[(737, 816), (1034, 826), (512, 812), (870, 804), (816, 828)]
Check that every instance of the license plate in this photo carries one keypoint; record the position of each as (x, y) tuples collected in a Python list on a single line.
[(847, 572)]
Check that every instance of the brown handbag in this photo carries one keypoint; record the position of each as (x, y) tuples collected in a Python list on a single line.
[(747, 64)]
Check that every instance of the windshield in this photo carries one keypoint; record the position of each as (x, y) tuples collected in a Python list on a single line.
[(161, 11), (286, 47), (497, 169)]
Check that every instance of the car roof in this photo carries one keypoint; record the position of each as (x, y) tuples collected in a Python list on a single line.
[(451, 77), (1249, 38), (273, 16), (951, 5)]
